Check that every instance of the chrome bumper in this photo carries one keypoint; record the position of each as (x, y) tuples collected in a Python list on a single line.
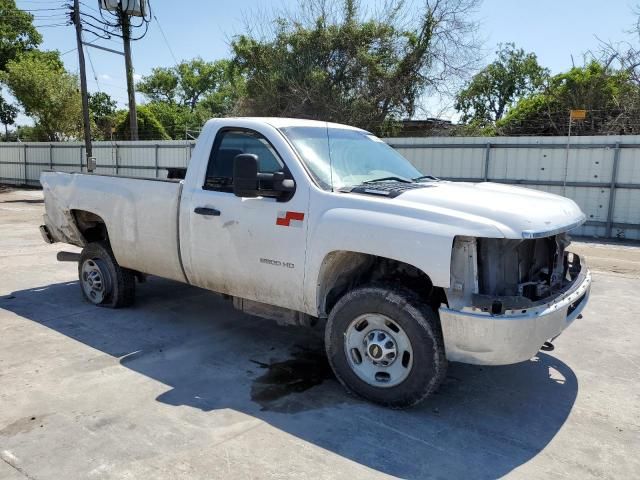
[(515, 336)]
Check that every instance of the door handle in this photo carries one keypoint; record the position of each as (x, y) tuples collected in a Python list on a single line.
[(211, 212)]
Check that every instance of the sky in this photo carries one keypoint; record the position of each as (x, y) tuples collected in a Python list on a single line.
[(553, 29)]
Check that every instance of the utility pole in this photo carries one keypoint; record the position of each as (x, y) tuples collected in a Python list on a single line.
[(83, 86), (126, 38)]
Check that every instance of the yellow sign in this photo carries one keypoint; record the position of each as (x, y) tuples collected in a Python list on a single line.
[(578, 114)]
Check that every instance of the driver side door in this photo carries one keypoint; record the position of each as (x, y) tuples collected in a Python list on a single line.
[(252, 248)]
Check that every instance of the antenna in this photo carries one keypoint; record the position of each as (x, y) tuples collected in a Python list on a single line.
[(326, 124)]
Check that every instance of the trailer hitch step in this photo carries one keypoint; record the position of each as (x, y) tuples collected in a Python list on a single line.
[(46, 235), (547, 347), (68, 257)]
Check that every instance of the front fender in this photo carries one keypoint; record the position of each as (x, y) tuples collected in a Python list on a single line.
[(423, 244)]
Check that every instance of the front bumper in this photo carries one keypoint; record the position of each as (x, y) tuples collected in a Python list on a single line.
[(515, 336)]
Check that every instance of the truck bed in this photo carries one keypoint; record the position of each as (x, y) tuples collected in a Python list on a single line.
[(141, 216)]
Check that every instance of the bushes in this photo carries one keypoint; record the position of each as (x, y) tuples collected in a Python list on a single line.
[(149, 128)]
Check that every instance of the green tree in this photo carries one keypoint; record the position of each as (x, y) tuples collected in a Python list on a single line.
[(149, 128), (199, 78), (102, 108), (332, 62), (8, 114), (222, 101), (47, 92), (17, 33), (611, 98), (174, 118), (498, 86), (187, 83), (102, 105), (30, 133), (160, 86)]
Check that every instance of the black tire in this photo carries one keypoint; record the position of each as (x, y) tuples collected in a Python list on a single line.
[(120, 283), (420, 324)]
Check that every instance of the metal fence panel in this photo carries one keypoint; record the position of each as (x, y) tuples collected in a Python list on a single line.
[(11, 165), (602, 174), (627, 206), (629, 167)]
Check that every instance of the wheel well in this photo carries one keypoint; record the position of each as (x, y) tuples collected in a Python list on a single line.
[(344, 270), (92, 227)]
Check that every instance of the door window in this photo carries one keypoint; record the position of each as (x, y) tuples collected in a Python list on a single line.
[(227, 146)]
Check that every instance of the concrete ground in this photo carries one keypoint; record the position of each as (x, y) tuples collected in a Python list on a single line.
[(183, 386)]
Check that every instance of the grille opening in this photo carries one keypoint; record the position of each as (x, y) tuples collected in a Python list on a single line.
[(532, 269)]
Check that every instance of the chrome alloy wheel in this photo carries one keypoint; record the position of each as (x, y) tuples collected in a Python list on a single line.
[(95, 279), (378, 350)]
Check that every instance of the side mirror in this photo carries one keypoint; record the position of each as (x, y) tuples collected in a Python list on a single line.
[(282, 184), (245, 175)]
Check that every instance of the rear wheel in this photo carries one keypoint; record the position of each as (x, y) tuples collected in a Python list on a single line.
[(385, 344), (103, 282)]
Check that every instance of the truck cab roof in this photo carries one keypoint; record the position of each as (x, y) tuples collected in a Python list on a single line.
[(279, 122)]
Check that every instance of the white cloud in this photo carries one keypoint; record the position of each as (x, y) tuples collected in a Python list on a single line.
[(104, 76), (137, 76)]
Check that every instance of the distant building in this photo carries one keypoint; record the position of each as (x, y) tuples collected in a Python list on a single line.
[(429, 127)]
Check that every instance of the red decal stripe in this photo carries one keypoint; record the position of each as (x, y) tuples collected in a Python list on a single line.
[(284, 222)]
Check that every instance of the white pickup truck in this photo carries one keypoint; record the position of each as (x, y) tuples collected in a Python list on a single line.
[(310, 223)]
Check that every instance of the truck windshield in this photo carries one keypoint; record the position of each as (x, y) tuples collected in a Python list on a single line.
[(341, 158)]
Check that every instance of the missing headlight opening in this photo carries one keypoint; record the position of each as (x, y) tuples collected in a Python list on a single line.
[(505, 274)]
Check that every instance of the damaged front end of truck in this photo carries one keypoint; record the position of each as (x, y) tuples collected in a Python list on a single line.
[(508, 296)]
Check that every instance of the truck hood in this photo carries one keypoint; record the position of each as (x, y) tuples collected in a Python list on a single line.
[(516, 211)]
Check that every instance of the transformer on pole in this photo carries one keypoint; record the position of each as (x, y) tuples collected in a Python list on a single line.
[(133, 8)]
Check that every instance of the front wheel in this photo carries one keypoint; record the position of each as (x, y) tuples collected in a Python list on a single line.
[(102, 280), (385, 345)]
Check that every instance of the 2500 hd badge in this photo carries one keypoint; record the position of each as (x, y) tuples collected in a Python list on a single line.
[(277, 263)]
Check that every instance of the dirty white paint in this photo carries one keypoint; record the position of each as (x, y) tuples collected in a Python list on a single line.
[(140, 215)]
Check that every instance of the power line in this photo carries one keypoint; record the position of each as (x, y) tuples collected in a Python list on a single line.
[(15, 22), (53, 25), (40, 2), (114, 85), (166, 42), (115, 96), (107, 39), (93, 69), (96, 34), (89, 7), (18, 15), (44, 9)]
